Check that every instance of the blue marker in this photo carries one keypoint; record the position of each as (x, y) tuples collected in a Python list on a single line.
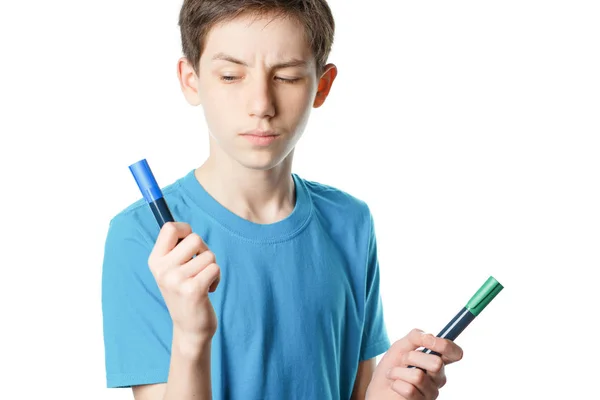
[(151, 191)]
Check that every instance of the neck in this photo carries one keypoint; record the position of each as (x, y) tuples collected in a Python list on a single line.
[(260, 196)]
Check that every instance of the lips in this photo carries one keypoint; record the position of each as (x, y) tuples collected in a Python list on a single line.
[(259, 132), (260, 138)]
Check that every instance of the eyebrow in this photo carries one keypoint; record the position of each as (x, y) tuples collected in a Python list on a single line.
[(294, 62)]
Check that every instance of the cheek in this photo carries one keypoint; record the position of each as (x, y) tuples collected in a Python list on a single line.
[(219, 106), (216, 95), (296, 104), (217, 118)]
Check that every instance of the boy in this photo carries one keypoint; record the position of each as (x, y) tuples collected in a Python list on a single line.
[(297, 313)]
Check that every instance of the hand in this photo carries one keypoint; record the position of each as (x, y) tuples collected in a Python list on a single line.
[(392, 379), (185, 280)]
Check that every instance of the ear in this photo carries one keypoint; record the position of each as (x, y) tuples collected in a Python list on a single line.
[(188, 81), (325, 82)]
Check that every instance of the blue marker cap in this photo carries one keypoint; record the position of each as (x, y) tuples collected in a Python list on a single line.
[(145, 180)]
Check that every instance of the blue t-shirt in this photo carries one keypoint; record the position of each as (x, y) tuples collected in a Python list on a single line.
[(298, 305)]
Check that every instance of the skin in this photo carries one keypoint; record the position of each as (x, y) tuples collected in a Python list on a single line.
[(254, 182), (241, 86), (392, 380)]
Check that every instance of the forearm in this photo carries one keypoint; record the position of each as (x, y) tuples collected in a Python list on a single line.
[(189, 372)]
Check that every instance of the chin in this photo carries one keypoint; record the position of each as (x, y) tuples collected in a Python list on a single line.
[(260, 165), (261, 161)]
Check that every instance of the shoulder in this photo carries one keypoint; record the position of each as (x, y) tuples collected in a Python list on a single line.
[(136, 218), (325, 194), (337, 204)]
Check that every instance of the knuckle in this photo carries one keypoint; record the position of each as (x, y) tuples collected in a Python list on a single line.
[(437, 364), (158, 275), (195, 239), (406, 357), (154, 260), (396, 345), (393, 373), (398, 387), (419, 376), (217, 271), (443, 381), (407, 390), (415, 332), (209, 257), (169, 228), (210, 269), (152, 263)]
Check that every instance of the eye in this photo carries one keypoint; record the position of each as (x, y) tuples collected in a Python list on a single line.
[(228, 78), (286, 80)]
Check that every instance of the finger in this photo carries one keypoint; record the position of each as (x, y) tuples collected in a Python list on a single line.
[(215, 283), (431, 363), (197, 264), (449, 351), (419, 379), (393, 357), (187, 249), (407, 390), (208, 278), (453, 354), (439, 379), (168, 237), (436, 371)]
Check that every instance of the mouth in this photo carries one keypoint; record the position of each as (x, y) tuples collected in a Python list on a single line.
[(260, 137), (259, 132), (260, 140)]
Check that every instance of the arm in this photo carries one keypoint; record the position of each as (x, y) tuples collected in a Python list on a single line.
[(152, 294), (365, 372), (374, 336), (189, 375)]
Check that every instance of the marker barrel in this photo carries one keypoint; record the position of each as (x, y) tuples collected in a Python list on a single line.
[(454, 328), (486, 293), (151, 191), (161, 211)]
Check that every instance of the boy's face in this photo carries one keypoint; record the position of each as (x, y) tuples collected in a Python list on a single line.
[(243, 85)]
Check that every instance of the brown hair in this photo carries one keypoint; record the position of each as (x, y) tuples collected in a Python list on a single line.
[(197, 17)]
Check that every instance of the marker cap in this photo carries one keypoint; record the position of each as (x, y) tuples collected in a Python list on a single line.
[(484, 296), (145, 180)]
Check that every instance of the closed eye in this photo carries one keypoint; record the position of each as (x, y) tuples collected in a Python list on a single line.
[(286, 80), (229, 78)]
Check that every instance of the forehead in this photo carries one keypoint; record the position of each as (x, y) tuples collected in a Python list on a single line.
[(269, 36)]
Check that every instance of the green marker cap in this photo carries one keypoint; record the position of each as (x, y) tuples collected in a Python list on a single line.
[(484, 295)]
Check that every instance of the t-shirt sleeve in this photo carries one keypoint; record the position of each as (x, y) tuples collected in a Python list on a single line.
[(375, 339), (136, 323)]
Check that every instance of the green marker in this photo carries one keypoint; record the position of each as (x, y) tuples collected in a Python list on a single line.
[(478, 302)]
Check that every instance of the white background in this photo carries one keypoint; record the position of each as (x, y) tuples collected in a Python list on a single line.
[(471, 128)]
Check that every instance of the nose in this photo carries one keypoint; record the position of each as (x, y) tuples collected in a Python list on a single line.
[(261, 102)]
